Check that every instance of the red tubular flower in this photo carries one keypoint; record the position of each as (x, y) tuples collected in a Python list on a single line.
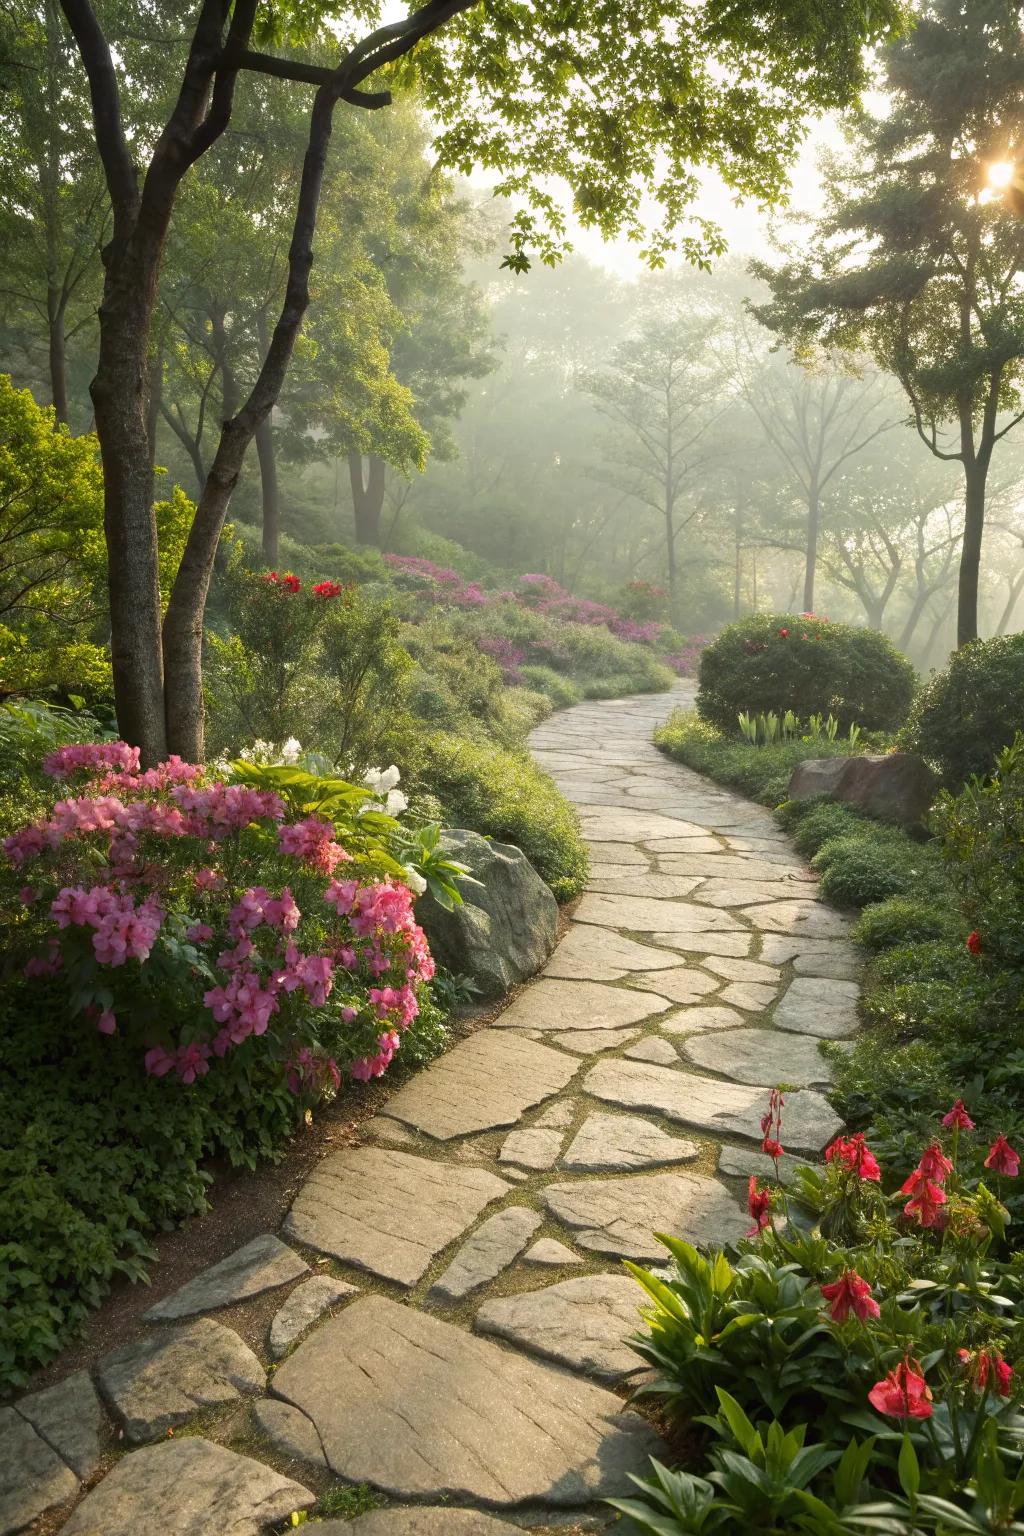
[(1002, 1158), (771, 1126), (958, 1118), (783, 634), (927, 1200), (987, 1366), (856, 1154), (759, 1204), (903, 1393), (974, 942), (328, 589), (772, 1149), (850, 1293), (934, 1163), (291, 583)]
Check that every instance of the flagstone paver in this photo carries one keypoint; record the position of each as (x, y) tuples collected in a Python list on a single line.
[(496, 1192), (422, 1409)]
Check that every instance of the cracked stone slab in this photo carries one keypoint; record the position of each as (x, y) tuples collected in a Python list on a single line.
[(424, 1410), (740, 893), (305, 1306), (70, 1418), (531, 1147), (591, 1042), (490, 1249), (749, 995), (158, 1382), (629, 826), (693, 1020), (595, 954), (186, 1486), (388, 1212), (482, 1083), (653, 1048), (682, 984), (620, 1216), (33, 1478), (664, 887), (763, 1057), (814, 1006), (717, 943), (418, 1521), (620, 853), (549, 1251), (566, 1005), (835, 959), (259, 1266), (580, 1323), (707, 1104), (380, 1128), (681, 846), (742, 970), (805, 919), (726, 866), (617, 1143), (648, 915), (290, 1432)]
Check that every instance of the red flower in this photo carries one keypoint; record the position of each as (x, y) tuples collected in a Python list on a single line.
[(856, 1154), (783, 634), (850, 1293), (934, 1163), (291, 582), (771, 1125), (958, 1117), (903, 1393), (986, 1365), (759, 1204), (974, 942), (772, 1149), (1002, 1158), (927, 1200), (328, 589)]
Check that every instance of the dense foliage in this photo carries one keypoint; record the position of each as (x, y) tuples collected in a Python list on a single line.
[(966, 713), (806, 664), (762, 772)]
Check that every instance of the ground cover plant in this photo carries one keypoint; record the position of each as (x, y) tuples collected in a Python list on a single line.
[(970, 710), (853, 1364)]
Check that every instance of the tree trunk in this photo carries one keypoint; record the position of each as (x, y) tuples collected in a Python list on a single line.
[(267, 454), (811, 557), (673, 572), (738, 564), (156, 396), (367, 497), (57, 355), (975, 476)]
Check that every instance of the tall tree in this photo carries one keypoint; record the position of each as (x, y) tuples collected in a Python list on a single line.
[(916, 260), (664, 391), (634, 98)]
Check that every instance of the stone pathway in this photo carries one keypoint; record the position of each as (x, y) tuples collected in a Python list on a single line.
[(443, 1314)]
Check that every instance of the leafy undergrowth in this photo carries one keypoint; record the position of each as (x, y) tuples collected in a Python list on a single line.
[(762, 773)]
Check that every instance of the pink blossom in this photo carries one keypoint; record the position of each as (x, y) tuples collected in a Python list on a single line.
[(91, 755), (192, 1061), (199, 933), (158, 1062), (209, 880), (312, 840), (107, 1022)]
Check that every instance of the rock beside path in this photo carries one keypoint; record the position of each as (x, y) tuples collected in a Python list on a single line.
[(505, 928), (70, 1418), (33, 1478), (896, 786)]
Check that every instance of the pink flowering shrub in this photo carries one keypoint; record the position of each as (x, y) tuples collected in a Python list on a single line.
[(205, 925)]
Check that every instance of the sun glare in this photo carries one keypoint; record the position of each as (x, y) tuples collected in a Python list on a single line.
[(1001, 174)]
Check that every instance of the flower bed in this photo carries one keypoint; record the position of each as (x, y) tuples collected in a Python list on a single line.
[(853, 1365)]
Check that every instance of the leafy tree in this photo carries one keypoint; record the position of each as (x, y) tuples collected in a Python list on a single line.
[(53, 209), (916, 262), (635, 97), (664, 391)]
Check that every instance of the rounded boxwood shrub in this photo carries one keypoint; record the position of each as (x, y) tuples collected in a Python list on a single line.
[(903, 920), (792, 661), (966, 714)]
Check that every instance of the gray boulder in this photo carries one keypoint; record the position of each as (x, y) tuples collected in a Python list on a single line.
[(505, 929), (898, 786)]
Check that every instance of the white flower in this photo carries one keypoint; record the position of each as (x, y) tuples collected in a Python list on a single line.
[(415, 881), (380, 780), (396, 802), (291, 751)]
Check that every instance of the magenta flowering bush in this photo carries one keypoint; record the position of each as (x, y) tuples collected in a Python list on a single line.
[(209, 926)]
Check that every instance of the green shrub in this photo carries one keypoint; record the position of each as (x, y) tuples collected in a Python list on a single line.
[(904, 920), (810, 666), (870, 862), (966, 714), (560, 690), (814, 822), (504, 795)]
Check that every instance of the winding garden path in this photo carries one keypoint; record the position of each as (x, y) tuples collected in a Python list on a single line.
[(452, 1329)]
